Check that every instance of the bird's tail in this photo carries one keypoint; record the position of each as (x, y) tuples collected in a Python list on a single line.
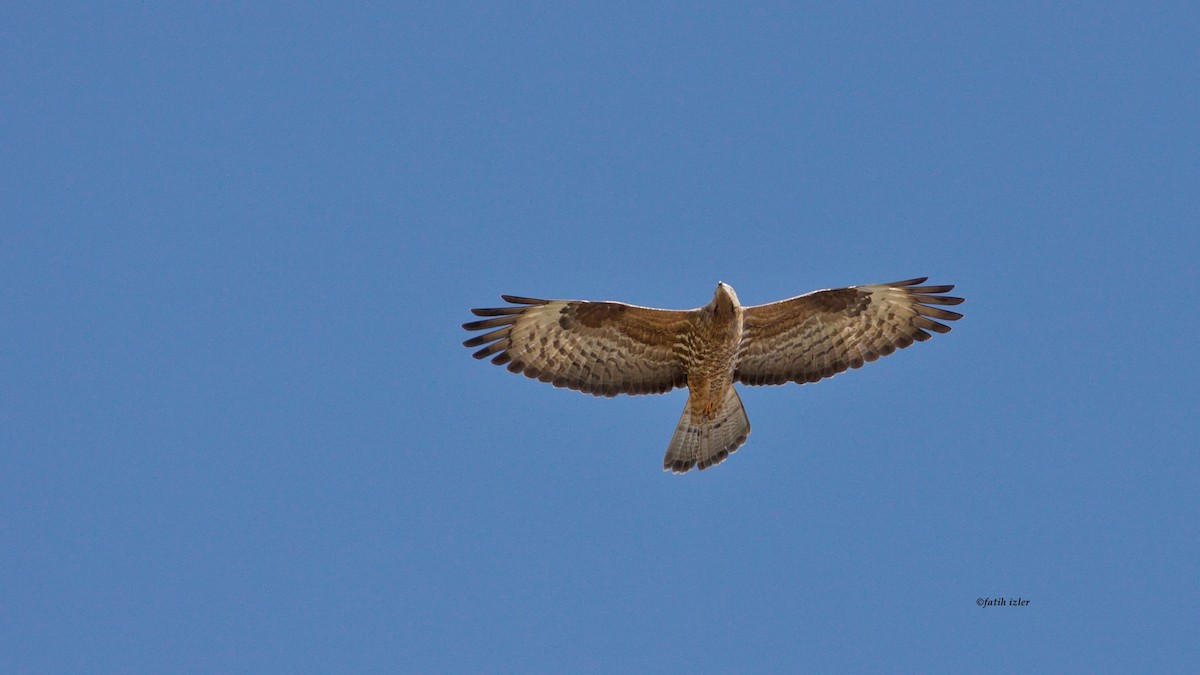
[(706, 440)]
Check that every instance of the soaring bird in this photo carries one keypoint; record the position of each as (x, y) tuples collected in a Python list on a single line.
[(610, 348)]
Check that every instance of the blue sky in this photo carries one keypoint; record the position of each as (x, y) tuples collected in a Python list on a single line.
[(240, 432)]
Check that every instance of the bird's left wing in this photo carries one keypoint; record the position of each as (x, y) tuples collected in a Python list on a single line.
[(600, 348), (823, 333)]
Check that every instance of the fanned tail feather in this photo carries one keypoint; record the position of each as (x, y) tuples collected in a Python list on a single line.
[(704, 442)]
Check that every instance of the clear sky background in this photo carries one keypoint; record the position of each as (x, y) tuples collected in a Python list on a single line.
[(238, 431)]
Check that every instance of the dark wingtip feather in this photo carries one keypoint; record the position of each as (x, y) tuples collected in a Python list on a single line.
[(496, 311), (519, 300), (490, 323), (930, 324), (490, 349), (937, 299), (936, 313), (487, 337)]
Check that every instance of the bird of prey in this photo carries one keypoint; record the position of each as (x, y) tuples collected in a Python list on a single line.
[(610, 348)]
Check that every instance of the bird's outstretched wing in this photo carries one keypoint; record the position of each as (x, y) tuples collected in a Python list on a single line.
[(821, 334), (600, 348)]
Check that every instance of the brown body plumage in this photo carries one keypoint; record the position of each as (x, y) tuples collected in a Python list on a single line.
[(610, 348)]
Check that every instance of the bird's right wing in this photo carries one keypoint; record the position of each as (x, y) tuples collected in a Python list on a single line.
[(600, 348)]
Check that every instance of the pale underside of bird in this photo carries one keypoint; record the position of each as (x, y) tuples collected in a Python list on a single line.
[(610, 348)]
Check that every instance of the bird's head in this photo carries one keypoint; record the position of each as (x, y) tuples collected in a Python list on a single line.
[(725, 300)]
